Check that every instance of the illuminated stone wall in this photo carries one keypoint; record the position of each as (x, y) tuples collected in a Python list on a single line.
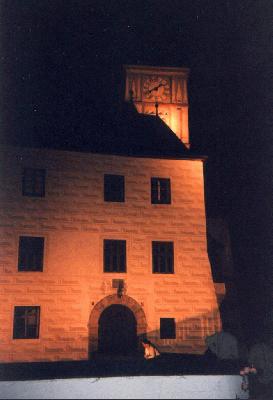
[(74, 219)]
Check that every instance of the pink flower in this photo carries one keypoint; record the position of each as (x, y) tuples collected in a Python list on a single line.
[(248, 370)]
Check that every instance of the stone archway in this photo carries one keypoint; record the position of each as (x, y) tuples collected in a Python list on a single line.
[(105, 303)]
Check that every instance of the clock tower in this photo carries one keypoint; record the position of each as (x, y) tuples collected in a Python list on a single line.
[(160, 91)]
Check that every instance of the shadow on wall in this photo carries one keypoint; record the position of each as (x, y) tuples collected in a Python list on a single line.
[(118, 324), (190, 334)]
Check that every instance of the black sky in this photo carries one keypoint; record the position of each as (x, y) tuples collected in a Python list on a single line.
[(62, 73)]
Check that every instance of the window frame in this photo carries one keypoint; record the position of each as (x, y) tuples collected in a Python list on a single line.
[(167, 253), (22, 250), (159, 193), (117, 195), (33, 175), (171, 328), (27, 326), (116, 254)]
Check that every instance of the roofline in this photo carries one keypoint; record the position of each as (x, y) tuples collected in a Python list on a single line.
[(191, 157), (163, 157), (149, 68)]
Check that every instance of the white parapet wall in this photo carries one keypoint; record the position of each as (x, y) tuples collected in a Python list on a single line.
[(148, 387)]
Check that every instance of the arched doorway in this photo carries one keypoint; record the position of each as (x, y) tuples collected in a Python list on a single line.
[(107, 302), (117, 330)]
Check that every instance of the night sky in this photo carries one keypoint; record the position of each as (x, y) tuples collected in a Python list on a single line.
[(61, 64)]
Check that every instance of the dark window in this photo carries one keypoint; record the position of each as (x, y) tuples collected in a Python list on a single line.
[(114, 188), (33, 182), (26, 322), (167, 328), (31, 253), (161, 191), (114, 255), (163, 257)]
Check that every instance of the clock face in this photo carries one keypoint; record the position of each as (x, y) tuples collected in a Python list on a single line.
[(156, 88)]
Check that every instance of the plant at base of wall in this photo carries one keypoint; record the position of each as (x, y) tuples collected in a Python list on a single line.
[(245, 372)]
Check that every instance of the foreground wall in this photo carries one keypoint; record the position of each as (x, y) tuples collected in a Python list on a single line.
[(72, 291), (141, 387)]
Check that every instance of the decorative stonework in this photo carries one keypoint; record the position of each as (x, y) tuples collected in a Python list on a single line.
[(107, 302)]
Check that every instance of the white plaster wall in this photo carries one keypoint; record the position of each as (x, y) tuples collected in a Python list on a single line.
[(149, 387)]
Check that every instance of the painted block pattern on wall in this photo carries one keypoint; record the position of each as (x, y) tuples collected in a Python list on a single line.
[(74, 220)]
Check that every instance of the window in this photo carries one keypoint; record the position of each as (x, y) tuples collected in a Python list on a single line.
[(167, 328), (31, 253), (114, 188), (163, 257), (114, 255), (26, 322), (160, 191), (33, 182)]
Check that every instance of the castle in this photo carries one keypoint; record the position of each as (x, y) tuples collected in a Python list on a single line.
[(105, 244)]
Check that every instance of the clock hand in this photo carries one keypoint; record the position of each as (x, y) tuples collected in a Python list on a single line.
[(151, 90), (154, 88), (157, 87)]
